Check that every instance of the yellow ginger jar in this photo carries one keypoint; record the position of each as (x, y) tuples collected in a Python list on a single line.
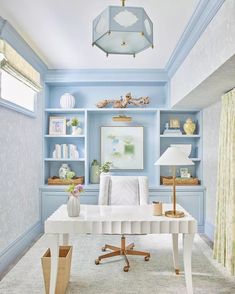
[(189, 127)]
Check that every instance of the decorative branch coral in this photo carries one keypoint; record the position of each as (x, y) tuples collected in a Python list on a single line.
[(123, 102)]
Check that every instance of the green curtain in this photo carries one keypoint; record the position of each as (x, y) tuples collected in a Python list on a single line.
[(224, 242)]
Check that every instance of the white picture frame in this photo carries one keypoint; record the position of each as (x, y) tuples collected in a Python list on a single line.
[(57, 125), (123, 146), (184, 172)]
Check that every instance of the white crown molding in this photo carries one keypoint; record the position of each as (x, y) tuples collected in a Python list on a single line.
[(202, 16)]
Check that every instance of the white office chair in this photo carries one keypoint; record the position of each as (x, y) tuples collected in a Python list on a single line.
[(123, 190)]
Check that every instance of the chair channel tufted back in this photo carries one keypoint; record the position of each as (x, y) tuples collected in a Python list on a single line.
[(123, 190)]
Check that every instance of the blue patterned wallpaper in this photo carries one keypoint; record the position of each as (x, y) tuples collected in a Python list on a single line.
[(20, 172)]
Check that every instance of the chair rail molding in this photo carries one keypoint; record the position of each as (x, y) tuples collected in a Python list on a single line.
[(202, 16)]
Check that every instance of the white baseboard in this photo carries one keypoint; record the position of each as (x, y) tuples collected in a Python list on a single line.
[(209, 230), (15, 249)]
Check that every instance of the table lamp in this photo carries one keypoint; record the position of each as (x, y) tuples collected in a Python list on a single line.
[(174, 156)]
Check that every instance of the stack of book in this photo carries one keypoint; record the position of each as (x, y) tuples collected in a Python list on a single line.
[(65, 151), (172, 132)]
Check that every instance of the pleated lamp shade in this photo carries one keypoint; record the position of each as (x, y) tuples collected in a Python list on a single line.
[(174, 156)]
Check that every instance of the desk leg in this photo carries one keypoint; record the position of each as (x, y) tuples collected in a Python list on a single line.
[(187, 244), (54, 248), (175, 252), (65, 239)]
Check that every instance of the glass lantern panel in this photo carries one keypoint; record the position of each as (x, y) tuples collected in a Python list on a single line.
[(123, 42), (148, 27), (125, 18)]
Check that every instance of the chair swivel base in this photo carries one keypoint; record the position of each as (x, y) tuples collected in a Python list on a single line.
[(123, 250)]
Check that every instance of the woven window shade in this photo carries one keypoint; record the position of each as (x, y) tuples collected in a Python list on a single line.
[(13, 63)]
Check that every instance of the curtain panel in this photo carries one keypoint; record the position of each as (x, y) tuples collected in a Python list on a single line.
[(13, 63), (224, 242)]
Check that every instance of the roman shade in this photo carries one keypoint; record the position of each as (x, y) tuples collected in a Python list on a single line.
[(14, 64)]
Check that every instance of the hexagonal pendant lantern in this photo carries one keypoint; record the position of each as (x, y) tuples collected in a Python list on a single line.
[(123, 30)]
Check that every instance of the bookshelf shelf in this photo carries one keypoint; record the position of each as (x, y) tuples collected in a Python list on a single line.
[(65, 159), (180, 136), (63, 110), (195, 159), (64, 136)]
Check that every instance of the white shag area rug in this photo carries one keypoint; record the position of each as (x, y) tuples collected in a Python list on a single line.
[(153, 277)]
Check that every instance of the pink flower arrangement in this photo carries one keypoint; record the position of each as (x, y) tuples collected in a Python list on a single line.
[(75, 190)]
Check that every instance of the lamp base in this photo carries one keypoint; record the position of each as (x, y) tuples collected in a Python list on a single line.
[(174, 214)]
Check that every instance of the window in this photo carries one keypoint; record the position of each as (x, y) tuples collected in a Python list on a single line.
[(15, 93), (19, 81)]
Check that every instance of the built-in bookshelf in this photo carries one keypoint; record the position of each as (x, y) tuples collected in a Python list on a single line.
[(155, 142), (58, 148), (194, 140), (152, 118)]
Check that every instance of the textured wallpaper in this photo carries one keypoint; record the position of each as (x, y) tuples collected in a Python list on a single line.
[(211, 121), (215, 46), (20, 172)]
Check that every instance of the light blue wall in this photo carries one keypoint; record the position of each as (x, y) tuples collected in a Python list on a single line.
[(87, 95), (20, 166), (147, 120)]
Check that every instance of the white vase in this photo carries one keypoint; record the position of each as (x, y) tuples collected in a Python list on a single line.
[(103, 174), (64, 169), (76, 131), (73, 206), (67, 101)]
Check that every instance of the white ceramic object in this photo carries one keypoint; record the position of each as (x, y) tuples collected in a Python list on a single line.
[(67, 101), (103, 174), (76, 131), (64, 169), (73, 206)]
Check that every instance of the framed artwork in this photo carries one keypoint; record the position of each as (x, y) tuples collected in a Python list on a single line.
[(123, 146), (57, 125), (174, 123), (184, 172)]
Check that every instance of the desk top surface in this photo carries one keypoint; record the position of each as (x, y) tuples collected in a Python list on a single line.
[(107, 219)]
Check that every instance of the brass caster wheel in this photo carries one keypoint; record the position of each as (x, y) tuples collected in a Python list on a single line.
[(126, 268), (177, 271), (146, 258), (97, 261), (103, 249)]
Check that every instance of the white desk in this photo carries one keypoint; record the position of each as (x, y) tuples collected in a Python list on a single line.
[(101, 219)]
